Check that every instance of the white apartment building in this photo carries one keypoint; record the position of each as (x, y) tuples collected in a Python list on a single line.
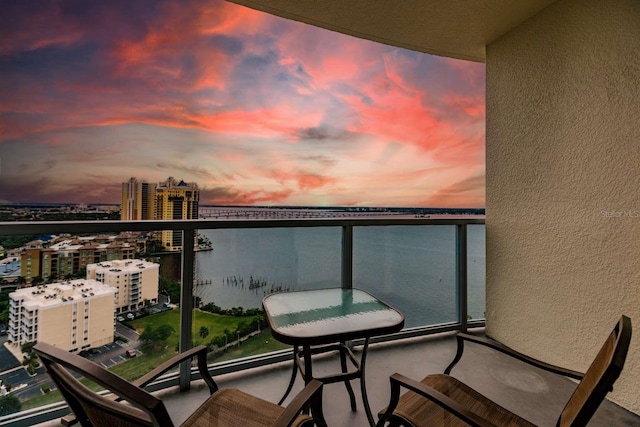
[(72, 315), (136, 281)]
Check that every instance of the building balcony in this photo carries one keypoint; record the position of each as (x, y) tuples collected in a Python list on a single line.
[(533, 394), (434, 274)]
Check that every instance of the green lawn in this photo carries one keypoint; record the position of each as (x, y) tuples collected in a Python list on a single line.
[(216, 324), (145, 362)]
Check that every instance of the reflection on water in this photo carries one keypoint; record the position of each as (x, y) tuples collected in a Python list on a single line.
[(409, 267)]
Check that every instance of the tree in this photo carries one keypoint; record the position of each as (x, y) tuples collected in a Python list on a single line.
[(163, 332), (9, 404), (153, 336), (148, 334), (204, 331)]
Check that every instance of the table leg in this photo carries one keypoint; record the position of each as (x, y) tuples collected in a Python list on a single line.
[(347, 383), (363, 387), (308, 371), (293, 375)]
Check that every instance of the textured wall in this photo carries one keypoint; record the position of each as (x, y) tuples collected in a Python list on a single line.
[(563, 184)]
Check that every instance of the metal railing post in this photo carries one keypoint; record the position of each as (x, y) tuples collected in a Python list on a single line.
[(186, 303), (347, 256), (461, 274)]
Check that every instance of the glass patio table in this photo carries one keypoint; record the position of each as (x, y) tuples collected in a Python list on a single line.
[(324, 320)]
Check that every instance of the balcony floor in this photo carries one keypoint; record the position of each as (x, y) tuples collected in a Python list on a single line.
[(535, 395)]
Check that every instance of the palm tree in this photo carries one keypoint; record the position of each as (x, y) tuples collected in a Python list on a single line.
[(204, 331)]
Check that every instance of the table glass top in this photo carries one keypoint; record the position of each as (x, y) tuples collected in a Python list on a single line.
[(330, 312)]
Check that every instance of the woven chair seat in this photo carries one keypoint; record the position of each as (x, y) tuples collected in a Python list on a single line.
[(418, 411), (232, 407)]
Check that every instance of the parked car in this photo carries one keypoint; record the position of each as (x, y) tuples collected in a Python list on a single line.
[(130, 316), (120, 319), (131, 353)]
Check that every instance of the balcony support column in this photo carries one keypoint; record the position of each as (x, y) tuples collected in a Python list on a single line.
[(347, 256), (186, 304), (461, 274)]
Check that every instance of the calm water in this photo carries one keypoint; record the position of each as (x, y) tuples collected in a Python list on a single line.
[(409, 267)]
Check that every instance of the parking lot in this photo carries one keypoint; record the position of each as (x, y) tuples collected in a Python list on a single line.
[(114, 353), (109, 356)]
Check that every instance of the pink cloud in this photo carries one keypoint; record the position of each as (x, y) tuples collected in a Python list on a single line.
[(259, 94), (305, 180)]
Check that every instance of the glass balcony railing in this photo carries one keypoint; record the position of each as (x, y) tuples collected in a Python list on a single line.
[(432, 270)]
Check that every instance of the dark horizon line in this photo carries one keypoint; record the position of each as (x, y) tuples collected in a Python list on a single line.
[(59, 204)]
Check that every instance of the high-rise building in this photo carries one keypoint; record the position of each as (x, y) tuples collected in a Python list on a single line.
[(136, 281), (176, 200), (138, 199), (72, 315)]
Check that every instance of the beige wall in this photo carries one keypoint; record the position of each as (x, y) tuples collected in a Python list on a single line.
[(101, 322), (563, 154), (55, 324), (150, 281)]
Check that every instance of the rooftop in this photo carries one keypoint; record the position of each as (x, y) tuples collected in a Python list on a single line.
[(127, 265), (56, 294)]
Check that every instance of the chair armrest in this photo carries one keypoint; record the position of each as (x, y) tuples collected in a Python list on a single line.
[(461, 337), (312, 395), (465, 414), (200, 351)]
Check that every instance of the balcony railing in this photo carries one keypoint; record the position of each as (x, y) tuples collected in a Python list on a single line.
[(354, 246)]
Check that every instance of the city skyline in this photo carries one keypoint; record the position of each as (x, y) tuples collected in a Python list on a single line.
[(255, 109)]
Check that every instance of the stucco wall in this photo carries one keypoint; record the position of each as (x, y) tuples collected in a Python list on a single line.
[(563, 184)]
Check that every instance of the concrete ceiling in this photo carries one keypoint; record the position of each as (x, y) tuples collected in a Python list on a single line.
[(453, 28)]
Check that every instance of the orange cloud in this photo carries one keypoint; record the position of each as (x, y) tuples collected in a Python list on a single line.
[(305, 181), (469, 192)]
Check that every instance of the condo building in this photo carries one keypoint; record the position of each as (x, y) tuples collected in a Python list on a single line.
[(136, 281), (176, 200), (68, 255), (72, 315), (138, 200)]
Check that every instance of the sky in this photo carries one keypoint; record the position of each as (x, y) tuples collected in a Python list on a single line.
[(255, 109)]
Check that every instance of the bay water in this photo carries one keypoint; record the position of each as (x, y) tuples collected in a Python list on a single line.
[(409, 267)]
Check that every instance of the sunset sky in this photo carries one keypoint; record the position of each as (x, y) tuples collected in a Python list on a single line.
[(256, 109)]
